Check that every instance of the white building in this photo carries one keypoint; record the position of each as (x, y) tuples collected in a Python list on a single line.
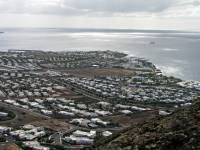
[(106, 133), (65, 113), (35, 145), (79, 140), (46, 112), (79, 133), (4, 129), (3, 114)]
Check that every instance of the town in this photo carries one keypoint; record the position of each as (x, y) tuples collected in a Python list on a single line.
[(74, 99)]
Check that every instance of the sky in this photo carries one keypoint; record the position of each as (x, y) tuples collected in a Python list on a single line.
[(123, 14)]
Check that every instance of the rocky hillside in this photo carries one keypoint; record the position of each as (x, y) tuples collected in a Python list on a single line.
[(178, 131)]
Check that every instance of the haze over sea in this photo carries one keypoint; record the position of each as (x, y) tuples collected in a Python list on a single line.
[(176, 53)]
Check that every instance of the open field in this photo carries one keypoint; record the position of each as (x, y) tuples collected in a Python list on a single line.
[(29, 117), (22, 116), (53, 124), (88, 72), (128, 120), (9, 146)]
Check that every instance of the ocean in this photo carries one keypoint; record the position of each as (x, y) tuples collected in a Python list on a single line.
[(176, 53)]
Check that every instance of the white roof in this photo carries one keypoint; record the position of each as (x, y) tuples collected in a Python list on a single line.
[(2, 128), (103, 103), (46, 111), (35, 145), (122, 106), (3, 114), (126, 111), (107, 133), (79, 133), (28, 126), (66, 113), (102, 113), (97, 120), (163, 113), (79, 140)]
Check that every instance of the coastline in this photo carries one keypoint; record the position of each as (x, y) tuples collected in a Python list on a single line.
[(163, 53)]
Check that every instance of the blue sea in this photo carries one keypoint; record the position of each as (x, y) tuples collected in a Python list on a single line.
[(176, 53)]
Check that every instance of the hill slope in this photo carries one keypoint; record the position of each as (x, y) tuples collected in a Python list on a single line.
[(178, 131)]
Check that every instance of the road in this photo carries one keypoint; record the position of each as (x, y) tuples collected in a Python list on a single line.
[(78, 90), (9, 106)]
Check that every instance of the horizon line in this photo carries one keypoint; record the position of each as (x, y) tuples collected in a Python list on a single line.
[(104, 29)]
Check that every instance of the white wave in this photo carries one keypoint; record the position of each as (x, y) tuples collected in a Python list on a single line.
[(171, 71), (170, 49)]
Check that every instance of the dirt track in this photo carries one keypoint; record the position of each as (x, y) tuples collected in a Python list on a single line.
[(93, 72)]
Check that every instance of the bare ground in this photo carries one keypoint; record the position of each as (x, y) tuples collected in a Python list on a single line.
[(93, 72), (9, 146), (29, 117)]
